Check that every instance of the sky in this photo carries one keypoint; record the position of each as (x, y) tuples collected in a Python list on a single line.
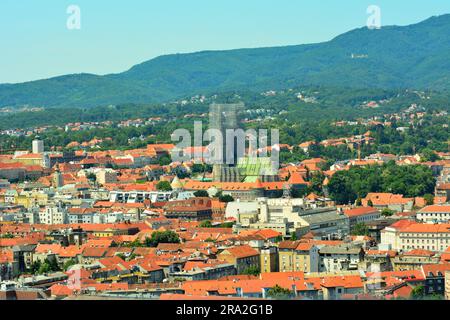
[(114, 35)]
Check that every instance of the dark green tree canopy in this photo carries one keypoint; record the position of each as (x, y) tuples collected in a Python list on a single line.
[(411, 181)]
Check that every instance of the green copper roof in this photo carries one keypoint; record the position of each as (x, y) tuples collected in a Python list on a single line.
[(255, 167)]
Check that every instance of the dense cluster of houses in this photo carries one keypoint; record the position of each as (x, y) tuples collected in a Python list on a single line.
[(121, 224)]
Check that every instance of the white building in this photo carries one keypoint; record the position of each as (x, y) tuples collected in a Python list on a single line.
[(53, 215), (80, 217), (340, 258), (38, 146), (46, 163), (267, 208), (281, 215), (434, 214), (110, 217), (390, 235), (139, 196), (432, 237), (361, 215)]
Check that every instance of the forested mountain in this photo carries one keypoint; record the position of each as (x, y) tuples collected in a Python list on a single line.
[(415, 56)]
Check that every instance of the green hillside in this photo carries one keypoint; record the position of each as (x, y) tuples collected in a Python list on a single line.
[(415, 56)]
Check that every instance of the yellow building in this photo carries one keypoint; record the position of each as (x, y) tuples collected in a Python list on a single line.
[(414, 260), (269, 259), (298, 256), (286, 255), (31, 199), (110, 233), (30, 159), (243, 258)]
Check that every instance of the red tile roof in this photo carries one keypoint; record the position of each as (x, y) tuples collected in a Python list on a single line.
[(436, 209), (361, 211), (426, 228), (435, 269), (242, 251)]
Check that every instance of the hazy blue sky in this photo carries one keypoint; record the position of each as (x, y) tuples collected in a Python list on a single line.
[(116, 34)]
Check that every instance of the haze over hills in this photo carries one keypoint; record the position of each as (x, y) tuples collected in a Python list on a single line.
[(415, 56)]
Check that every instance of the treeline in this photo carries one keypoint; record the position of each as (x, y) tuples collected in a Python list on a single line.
[(411, 181), (296, 120), (62, 116), (330, 103)]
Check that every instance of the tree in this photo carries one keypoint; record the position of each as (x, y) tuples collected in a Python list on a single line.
[(386, 212), (434, 296), (360, 229), (293, 236), (279, 238), (69, 263), (418, 293), (429, 199), (135, 244), (295, 193), (227, 225), (279, 293), (53, 264), (163, 186), (428, 155), (226, 198), (161, 237), (44, 268), (165, 160), (411, 181), (201, 168), (205, 224), (370, 203), (201, 194), (316, 182), (253, 271), (35, 266), (122, 256)]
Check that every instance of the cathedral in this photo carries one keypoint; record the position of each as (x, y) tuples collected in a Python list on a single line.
[(224, 117)]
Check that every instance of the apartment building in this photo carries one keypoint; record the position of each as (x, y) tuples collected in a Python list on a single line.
[(434, 237), (298, 256), (242, 257), (340, 258), (53, 215), (390, 235), (269, 259), (361, 215), (80, 215), (196, 209), (106, 176), (326, 221), (434, 214)]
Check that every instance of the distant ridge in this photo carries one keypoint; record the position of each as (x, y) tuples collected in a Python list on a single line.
[(414, 56)]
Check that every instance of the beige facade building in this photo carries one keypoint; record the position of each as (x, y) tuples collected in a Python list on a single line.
[(242, 257), (433, 237), (269, 259), (106, 176), (298, 256)]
